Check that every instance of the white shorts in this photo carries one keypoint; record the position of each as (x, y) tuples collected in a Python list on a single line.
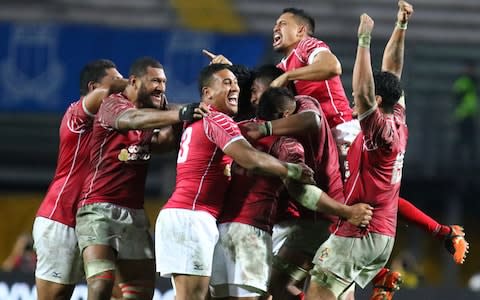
[(302, 235), (345, 133), (242, 261), (126, 230), (184, 242), (58, 256), (353, 259)]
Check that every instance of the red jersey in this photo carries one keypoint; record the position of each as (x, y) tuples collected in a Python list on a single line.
[(329, 93), (321, 155), (118, 159), (373, 170), (60, 202), (203, 170), (253, 199)]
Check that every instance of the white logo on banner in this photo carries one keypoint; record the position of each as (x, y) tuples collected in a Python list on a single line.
[(22, 291), (31, 70)]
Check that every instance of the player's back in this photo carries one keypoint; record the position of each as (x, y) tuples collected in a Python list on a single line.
[(60, 202), (321, 151), (374, 169)]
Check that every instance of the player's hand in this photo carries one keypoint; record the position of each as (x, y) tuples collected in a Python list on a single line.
[(280, 81), (193, 111), (216, 59), (301, 173), (360, 214), (251, 131), (405, 10), (201, 111), (366, 25)]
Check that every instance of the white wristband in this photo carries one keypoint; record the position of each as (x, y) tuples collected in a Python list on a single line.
[(310, 196)]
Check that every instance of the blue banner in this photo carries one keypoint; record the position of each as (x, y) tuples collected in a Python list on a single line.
[(40, 63)]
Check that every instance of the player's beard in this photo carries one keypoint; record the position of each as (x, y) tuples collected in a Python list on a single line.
[(144, 99)]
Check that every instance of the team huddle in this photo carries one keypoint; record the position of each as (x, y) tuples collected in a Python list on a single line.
[(283, 191)]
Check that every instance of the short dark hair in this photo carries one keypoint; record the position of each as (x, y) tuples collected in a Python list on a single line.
[(245, 78), (302, 17), (94, 71), (273, 102), (268, 72), (140, 66), (387, 85), (206, 74)]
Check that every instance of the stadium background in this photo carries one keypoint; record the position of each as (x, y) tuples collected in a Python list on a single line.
[(45, 43)]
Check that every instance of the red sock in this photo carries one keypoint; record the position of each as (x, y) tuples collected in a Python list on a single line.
[(380, 274), (300, 296), (415, 216)]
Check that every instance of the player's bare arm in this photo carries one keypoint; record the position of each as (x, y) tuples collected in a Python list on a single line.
[(315, 199), (251, 159), (362, 82), (393, 54), (324, 66), (93, 99), (294, 125), (148, 118)]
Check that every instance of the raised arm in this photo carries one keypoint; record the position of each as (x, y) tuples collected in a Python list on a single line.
[(393, 54), (93, 100), (362, 82)]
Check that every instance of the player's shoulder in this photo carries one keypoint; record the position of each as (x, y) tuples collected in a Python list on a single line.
[(216, 116), (305, 102), (311, 42)]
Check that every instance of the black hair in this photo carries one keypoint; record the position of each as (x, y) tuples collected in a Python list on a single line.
[(388, 86), (140, 66), (303, 18), (245, 78), (94, 71), (206, 74), (268, 72), (273, 103)]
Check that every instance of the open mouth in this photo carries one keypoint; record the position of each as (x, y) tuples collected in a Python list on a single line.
[(158, 99), (233, 100), (277, 39)]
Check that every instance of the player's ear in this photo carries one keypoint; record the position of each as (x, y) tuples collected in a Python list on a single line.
[(379, 100), (302, 30), (132, 80), (206, 93), (91, 85)]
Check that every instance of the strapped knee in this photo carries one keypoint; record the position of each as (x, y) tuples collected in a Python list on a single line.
[(329, 281), (294, 271), (136, 290), (100, 269)]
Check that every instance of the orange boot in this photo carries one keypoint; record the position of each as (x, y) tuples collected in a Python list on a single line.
[(385, 284)]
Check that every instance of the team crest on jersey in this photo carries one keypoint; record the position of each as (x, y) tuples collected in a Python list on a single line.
[(134, 153)]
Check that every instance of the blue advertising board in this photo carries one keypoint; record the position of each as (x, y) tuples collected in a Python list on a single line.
[(40, 63)]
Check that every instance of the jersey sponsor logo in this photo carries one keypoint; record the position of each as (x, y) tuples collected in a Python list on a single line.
[(134, 153)]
